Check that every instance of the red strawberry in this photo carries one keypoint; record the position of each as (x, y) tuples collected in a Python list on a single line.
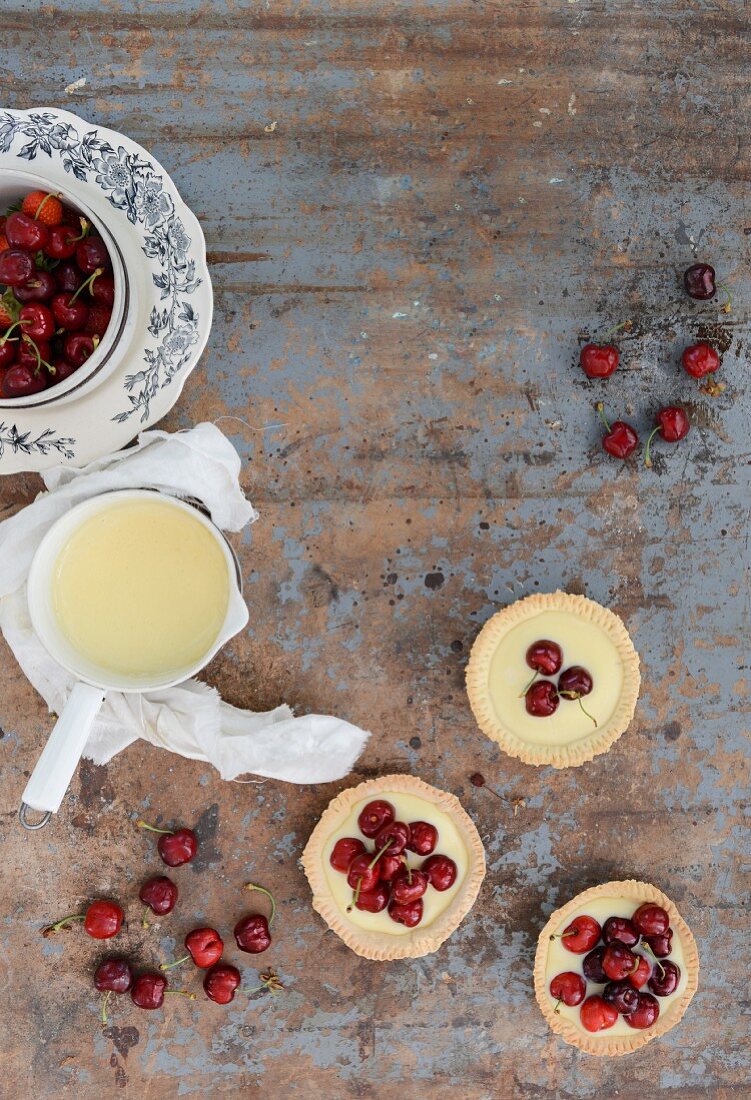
[(44, 207)]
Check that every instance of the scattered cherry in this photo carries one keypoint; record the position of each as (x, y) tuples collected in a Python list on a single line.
[(665, 979), (544, 657), (149, 990), (672, 426), (618, 961), (592, 966), (374, 816), (344, 851), (408, 885), (581, 935), (599, 360), (159, 894), (646, 1012), (176, 847), (423, 837), (220, 983), (597, 1014), (620, 440), (541, 699), (699, 281), (619, 930), (569, 988), (102, 920), (441, 871), (698, 359), (622, 995), (113, 976), (252, 934), (408, 915), (651, 919), (373, 901), (204, 947)]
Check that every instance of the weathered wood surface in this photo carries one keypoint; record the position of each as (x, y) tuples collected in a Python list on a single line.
[(412, 211)]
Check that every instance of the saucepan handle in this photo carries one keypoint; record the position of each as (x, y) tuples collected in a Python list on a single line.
[(54, 770)]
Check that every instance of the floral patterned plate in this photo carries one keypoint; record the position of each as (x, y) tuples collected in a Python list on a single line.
[(159, 257)]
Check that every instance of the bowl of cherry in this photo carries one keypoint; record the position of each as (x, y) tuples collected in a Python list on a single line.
[(65, 297)]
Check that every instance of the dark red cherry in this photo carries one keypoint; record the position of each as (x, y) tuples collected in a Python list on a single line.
[(8, 350), (699, 281), (441, 871), (33, 354), (113, 976), (665, 978), (569, 988), (621, 440), (205, 946), (69, 314), (423, 837), (408, 885), (63, 369), (592, 966), (103, 290), (252, 933), (68, 277), (408, 915), (622, 995), (22, 231), (160, 894), (641, 975), (21, 380), (672, 423), (544, 657), (220, 983), (651, 919), (375, 900), (574, 682), (98, 320), (599, 361), (661, 946), (541, 699), (92, 253), (374, 816), (62, 242), (596, 1014), (698, 359), (344, 851), (79, 347), (16, 267), (148, 990), (645, 1014), (619, 930), (177, 848), (388, 866), (37, 321), (581, 935), (362, 873), (41, 287), (392, 839), (618, 961)]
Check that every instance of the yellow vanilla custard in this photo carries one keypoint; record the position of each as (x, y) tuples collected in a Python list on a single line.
[(408, 808), (141, 588)]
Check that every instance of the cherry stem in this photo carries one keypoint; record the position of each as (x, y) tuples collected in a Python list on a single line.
[(601, 413), (84, 230), (179, 993), (409, 871), (88, 282), (378, 855), (10, 329), (144, 922), (628, 325), (105, 1001), (355, 896), (46, 199), (61, 923), (647, 459), (648, 949), (726, 308), (152, 828), (557, 1008), (269, 895), (40, 362), (529, 685), (576, 695), (563, 935), (177, 962)]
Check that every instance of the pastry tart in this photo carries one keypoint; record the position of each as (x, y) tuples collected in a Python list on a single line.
[(394, 865), (615, 968), (553, 679)]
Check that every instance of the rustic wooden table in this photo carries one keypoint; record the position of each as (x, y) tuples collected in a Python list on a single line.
[(413, 211)]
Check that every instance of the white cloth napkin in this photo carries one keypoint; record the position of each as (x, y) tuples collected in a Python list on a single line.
[(190, 719)]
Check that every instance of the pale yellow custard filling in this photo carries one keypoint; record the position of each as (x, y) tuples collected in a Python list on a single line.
[(560, 960), (582, 643), (408, 808)]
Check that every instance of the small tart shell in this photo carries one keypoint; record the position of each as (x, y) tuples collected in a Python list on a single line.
[(599, 1042), (418, 941), (478, 668)]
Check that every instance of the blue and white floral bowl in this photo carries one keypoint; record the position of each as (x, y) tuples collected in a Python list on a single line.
[(163, 300)]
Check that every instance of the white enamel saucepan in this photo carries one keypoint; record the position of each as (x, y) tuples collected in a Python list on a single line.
[(54, 770)]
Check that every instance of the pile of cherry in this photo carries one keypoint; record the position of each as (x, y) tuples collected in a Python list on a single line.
[(629, 958), (541, 697), (382, 877), (699, 360), (103, 919), (59, 294)]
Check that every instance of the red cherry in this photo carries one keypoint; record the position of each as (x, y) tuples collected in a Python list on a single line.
[(92, 253), (388, 867), (63, 369), (699, 281), (103, 919), (574, 682), (651, 919), (581, 935), (8, 352), (148, 990), (16, 267), (408, 915), (619, 961), (619, 930), (62, 242), (569, 988), (252, 933), (408, 886), (665, 978), (363, 873), (221, 982), (645, 1014), (68, 277), (41, 287), (21, 380), (596, 1014), (113, 976), (673, 423), (541, 699), (661, 946), (441, 871), (79, 347), (545, 657), (344, 851), (98, 320), (160, 894), (375, 900), (642, 973), (599, 361), (621, 440), (698, 359), (103, 290), (69, 314), (205, 946), (392, 839), (24, 232), (592, 966), (33, 353), (37, 321), (178, 848), (374, 816), (423, 837)]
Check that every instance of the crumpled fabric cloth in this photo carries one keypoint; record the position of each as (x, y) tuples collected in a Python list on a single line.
[(190, 719)]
